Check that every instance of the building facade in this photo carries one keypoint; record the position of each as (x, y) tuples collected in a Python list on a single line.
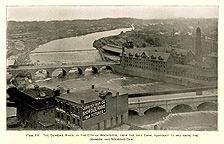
[(146, 59), (35, 107), (168, 64), (92, 109)]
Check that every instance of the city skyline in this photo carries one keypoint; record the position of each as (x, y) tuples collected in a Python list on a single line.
[(48, 13)]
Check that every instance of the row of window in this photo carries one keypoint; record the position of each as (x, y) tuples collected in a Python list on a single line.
[(144, 60), (68, 118), (144, 64), (147, 67), (68, 107)]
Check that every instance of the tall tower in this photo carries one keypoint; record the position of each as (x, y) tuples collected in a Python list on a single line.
[(198, 51)]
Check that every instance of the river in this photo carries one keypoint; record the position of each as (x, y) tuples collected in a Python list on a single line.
[(106, 78), (74, 43)]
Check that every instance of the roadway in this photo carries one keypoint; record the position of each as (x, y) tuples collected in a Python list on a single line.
[(170, 96), (78, 64)]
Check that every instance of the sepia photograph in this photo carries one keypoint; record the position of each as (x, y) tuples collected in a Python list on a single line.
[(112, 68)]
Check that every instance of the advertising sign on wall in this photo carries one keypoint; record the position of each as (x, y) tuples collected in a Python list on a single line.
[(94, 109)]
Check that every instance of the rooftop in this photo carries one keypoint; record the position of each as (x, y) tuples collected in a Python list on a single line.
[(88, 95), (112, 48), (137, 52), (39, 93)]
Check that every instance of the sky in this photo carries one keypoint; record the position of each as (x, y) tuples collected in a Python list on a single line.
[(47, 13)]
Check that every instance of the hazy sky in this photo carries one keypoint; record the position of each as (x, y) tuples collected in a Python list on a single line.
[(46, 13)]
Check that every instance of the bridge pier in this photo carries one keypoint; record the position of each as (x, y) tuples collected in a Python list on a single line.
[(95, 70), (80, 71), (109, 68), (49, 72), (141, 113)]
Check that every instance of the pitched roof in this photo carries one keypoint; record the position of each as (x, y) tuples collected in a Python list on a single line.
[(158, 56)]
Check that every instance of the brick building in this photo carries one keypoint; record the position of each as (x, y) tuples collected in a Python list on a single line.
[(92, 109), (146, 59), (35, 107)]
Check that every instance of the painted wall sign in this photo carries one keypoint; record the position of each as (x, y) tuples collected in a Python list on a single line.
[(94, 109)]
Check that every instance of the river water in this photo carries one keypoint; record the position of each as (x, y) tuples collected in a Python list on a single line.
[(205, 120), (74, 43)]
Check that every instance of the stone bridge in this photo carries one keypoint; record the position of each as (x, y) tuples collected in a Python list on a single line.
[(168, 104), (81, 67)]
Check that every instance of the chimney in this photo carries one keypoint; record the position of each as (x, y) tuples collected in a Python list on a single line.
[(92, 86), (117, 94)]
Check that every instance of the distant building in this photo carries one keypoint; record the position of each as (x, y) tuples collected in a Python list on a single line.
[(92, 109), (198, 50), (146, 59), (171, 65), (35, 107), (212, 60), (191, 43)]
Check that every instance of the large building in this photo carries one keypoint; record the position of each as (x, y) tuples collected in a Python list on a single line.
[(91, 109), (35, 107), (169, 64)]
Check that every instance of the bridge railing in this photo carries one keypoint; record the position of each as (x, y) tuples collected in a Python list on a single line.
[(172, 99), (172, 91)]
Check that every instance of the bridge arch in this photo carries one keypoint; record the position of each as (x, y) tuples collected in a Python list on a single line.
[(181, 108), (94, 69), (24, 74), (207, 106), (132, 112), (45, 73), (59, 72), (155, 109), (109, 67)]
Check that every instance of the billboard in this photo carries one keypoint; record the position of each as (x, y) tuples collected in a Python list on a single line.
[(94, 109)]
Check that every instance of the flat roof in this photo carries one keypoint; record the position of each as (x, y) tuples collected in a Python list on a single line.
[(88, 95)]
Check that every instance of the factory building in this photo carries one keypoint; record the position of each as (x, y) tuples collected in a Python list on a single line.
[(35, 107), (91, 109)]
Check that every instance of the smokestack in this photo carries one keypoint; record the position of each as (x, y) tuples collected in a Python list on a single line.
[(117, 93)]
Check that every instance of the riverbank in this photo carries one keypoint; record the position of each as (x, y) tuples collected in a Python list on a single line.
[(31, 35)]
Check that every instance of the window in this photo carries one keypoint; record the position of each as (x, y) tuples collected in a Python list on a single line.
[(78, 122), (60, 105), (44, 113), (68, 118), (67, 107), (73, 120), (62, 116), (58, 114), (52, 111), (98, 126), (122, 119), (111, 122)]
